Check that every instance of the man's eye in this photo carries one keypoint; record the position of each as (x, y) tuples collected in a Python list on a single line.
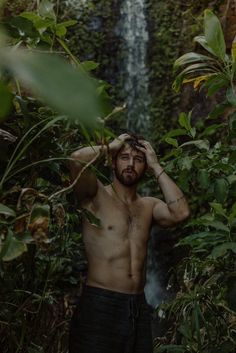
[(124, 158), (139, 160)]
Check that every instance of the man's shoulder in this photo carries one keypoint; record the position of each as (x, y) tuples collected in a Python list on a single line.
[(150, 200)]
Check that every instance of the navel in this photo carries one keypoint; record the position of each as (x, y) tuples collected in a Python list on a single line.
[(110, 227)]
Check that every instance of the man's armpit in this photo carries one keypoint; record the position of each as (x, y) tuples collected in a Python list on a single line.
[(86, 186)]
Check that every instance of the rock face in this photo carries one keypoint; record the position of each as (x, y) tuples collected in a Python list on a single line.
[(228, 16)]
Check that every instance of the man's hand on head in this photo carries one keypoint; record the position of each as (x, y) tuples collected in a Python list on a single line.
[(149, 152), (118, 142)]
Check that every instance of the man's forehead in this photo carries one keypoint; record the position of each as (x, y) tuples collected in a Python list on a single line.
[(131, 150)]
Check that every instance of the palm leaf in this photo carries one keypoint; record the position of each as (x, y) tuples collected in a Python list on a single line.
[(190, 58)]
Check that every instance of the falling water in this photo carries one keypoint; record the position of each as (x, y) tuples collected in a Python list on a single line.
[(134, 74), (134, 77), (132, 29)]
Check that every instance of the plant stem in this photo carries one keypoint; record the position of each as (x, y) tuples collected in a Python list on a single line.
[(76, 179)]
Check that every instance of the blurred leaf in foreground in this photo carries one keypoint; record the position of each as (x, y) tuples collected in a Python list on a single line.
[(68, 90)]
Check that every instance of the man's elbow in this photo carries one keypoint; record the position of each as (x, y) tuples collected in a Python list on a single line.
[(183, 215), (75, 155), (74, 165), (75, 159)]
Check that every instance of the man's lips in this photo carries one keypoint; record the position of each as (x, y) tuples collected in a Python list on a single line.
[(129, 171)]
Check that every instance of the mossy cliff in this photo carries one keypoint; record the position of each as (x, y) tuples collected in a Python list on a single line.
[(94, 37), (171, 26)]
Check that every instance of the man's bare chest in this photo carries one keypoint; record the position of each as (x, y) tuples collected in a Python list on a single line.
[(124, 221)]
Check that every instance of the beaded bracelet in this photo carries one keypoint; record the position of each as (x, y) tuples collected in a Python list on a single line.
[(177, 200)]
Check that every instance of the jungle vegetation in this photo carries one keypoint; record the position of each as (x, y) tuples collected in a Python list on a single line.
[(42, 262)]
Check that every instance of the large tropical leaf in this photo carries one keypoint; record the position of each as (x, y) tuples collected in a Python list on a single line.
[(193, 76), (199, 67), (214, 34), (202, 41), (190, 58), (66, 89), (222, 249), (215, 83)]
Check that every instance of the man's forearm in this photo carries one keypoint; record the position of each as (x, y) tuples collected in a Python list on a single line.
[(174, 197), (86, 154)]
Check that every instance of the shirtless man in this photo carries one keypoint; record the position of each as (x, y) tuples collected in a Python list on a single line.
[(112, 315)]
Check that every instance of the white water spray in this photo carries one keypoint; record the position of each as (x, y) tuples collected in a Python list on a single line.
[(134, 74), (134, 77)]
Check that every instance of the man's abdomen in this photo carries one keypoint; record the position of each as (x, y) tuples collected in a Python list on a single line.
[(116, 275)]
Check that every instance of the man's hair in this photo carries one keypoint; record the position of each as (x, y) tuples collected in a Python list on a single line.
[(133, 142), (134, 139)]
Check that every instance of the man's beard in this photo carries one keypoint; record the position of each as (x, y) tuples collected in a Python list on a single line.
[(128, 179)]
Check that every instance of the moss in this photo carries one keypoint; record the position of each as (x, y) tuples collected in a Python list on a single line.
[(94, 37)]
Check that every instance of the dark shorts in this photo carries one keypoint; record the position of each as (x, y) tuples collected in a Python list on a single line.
[(106, 321)]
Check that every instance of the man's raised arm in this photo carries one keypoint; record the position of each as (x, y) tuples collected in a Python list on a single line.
[(87, 185), (175, 209)]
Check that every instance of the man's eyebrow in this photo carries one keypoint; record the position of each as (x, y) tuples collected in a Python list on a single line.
[(136, 156)]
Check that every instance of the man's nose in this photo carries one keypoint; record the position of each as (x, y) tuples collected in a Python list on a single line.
[(131, 161)]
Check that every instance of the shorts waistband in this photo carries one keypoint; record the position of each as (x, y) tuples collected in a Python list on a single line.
[(111, 293)]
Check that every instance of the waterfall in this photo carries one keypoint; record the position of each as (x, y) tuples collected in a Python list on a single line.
[(154, 290), (134, 79), (134, 74)]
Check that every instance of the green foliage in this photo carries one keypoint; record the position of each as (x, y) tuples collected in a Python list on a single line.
[(217, 71), (169, 37), (203, 312), (42, 261), (41, 249), (70, 90)]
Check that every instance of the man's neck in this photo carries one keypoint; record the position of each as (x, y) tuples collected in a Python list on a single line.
[(127, 194)]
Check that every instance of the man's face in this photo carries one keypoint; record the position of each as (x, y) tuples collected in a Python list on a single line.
[(129, 165)]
